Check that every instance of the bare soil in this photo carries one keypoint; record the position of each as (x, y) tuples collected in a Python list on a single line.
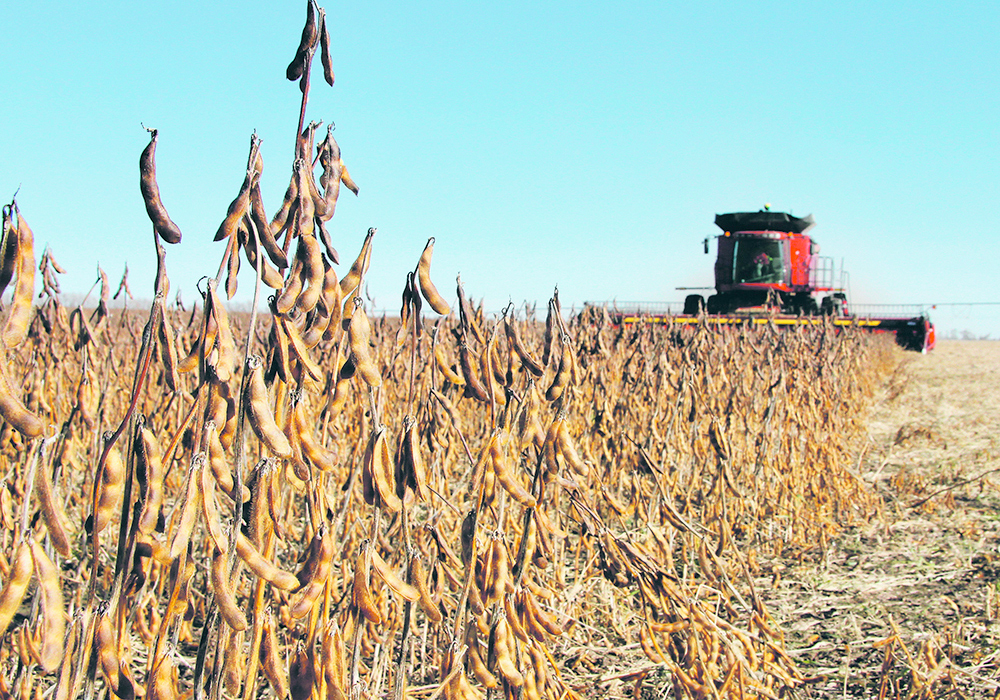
[(907, 604)]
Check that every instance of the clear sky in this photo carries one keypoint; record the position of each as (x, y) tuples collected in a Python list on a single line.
[(584, 145)]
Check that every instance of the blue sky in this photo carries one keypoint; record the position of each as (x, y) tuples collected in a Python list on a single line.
[(582, 145)]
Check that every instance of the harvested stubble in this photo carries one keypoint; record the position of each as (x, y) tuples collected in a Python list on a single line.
[(445, 509)]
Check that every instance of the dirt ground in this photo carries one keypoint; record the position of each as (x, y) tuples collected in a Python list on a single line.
[(907, 605)]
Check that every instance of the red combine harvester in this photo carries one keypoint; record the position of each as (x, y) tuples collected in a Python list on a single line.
[(768, 270)]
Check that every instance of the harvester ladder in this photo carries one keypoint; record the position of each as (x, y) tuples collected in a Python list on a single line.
[(823, 273)]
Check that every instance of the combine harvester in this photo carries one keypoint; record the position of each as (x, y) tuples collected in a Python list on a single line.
[(768, 270)]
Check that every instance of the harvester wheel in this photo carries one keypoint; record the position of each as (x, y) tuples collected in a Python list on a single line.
[(716, 305), (805, 305), (694, 304)]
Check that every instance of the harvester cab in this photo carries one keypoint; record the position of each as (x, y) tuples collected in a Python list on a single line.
[(768, 269), (766, 259)]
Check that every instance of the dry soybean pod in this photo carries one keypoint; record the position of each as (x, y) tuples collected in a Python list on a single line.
[(53, 631), (514, 618), (330, 298), (359, 338), (163, 685), (106, 645), (192, 359), (238, 208), (442, 362), (313, 273), (150, 461), (53, 513), (352, 279), (473, 386), (418, 577), (348, 181), (261, 523), (543, 618), (111, 485), (363, 598), (501, 577), (417, 472), (274, 484), (210, 509), (217, 458), (311, 558), (562, 376), (329, 179), (168, 353), (538, 663), (224, 358), (84, 399), (233, 267), (299, 349), (162, 224), (306, 42), (285, 301), (565, 446), (235, 667), (259, 217), (8, 251), (269, 275), (392, 579), (385, 477), (527, 359), (527, 545), (280, 219), (380, 472), (549, 451), (308, 202), (259, 411), (324, 46), (225, 596), (335, 325), (16, 585), (210, 330), (317, 455), (228, 419), (491, 379), (263, 567), (549, 335), (508, 478), (27, 652), (316, 207), (270, 659), (476, 604), (15, 329), (302, 672), (474, 659), (324, 237), (530, 689), (280, 361), (333, 661), (504, 661), (187, 510), (427, 288), (307, 597)]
